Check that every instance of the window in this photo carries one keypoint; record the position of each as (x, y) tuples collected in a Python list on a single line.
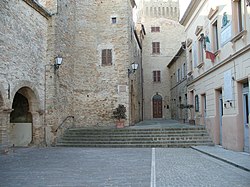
[(178, 75), (196, 103), (155, 47), (113, 19), (155, 29), (157, 76), (190, 60), (240, 15), (106, 57), (200, 50), (171, 82), (184, 71), (215, 36)]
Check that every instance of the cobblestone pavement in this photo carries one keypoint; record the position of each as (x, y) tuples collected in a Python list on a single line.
[(187, 167), (116, 167)]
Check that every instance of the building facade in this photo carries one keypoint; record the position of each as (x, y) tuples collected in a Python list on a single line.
[(178, 86), (97, 42), (164, 36), (218, 66)]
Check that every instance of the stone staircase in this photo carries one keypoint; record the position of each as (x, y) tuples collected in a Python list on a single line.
[(127, 137)]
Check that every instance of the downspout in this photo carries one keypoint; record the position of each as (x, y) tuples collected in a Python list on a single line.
[(142, 95)]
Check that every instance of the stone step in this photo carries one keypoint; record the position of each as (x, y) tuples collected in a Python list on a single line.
[(136, 130), (162, 137), (135, 135), (135, 142), (172, 145), (131, 132)]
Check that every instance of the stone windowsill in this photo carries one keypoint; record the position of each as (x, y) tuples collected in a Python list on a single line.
[(190, 73), (200, 65), (217, 52), (239, 36)]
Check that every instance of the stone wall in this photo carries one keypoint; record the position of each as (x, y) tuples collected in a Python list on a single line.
[(82, 86), (34, 33), (178, 83), (23, 42), (60, 82), (170, 36)]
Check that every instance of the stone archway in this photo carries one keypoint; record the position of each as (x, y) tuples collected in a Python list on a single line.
[(25, 123)]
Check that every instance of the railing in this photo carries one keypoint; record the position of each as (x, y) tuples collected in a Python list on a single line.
[(64, 121)]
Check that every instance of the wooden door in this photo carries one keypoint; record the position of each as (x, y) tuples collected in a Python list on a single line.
[(157, 108)]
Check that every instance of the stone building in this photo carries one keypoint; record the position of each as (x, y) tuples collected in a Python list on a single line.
[(178, 85), (218, 65), (97, 42), (164, 36)]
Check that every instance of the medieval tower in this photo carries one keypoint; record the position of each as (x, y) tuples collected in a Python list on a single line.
[(163, 39)]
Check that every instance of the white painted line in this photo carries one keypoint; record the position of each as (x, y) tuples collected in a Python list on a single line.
[(153, 176)]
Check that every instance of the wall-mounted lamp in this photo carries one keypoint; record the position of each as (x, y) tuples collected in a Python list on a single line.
[(134, 67), (58, 62)]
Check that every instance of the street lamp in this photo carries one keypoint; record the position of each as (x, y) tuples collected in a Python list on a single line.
[(134, 67), (58, 62)]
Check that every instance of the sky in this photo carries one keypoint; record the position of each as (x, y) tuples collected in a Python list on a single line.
[(183, 6)]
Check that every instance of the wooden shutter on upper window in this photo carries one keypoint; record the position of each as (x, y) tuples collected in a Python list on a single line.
[(158, 76), (156, 47), (106, 57)]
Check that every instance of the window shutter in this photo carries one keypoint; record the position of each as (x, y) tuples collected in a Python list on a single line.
[(154, 76), (159, 76), (106, 57), (109, 57), (156, 47)]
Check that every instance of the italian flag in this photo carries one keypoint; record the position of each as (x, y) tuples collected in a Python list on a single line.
[(209, 54)]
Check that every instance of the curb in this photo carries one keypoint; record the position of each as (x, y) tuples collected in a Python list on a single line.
[(222, 159)]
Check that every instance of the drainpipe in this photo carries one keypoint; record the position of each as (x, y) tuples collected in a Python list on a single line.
[(142, 95)]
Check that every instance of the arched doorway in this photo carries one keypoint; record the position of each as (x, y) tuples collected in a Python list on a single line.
[(20, 113), (24, 106), (157, 106)]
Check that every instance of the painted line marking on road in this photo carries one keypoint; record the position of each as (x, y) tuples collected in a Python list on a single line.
[(153, 177)]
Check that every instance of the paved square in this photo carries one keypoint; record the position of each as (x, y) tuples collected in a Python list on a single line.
[(92, 167)]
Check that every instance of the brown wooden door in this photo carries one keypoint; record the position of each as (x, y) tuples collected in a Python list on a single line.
[(157, 108)]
